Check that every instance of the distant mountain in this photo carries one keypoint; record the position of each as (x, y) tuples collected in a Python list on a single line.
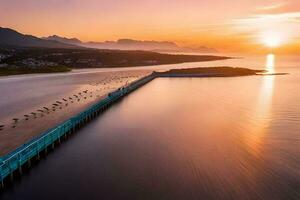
[(9, 37), (201, 49), (129, 44), (73, 41)]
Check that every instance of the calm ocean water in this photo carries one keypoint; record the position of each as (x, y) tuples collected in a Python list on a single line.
[(184, 138)]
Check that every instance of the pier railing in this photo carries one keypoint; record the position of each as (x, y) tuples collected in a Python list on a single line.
[(14, 160)]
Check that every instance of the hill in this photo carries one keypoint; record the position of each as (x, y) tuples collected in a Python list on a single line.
[(73, 41), (10, 37)]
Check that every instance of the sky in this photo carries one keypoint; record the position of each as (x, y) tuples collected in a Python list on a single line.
[(227, 25)]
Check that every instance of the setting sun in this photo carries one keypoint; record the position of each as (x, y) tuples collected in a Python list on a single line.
[(272, 39)]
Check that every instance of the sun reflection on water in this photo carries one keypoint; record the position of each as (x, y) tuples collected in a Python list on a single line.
[(270, 63), (262, 113)]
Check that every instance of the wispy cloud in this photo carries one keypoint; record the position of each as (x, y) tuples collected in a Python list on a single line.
[(273, 6), (296, 20), (279, 7), (276, 18), (285, 25)]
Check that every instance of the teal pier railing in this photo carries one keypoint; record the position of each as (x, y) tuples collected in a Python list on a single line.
[(13, 162)]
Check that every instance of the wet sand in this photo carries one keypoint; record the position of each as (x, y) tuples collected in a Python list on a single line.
[(30, 105)]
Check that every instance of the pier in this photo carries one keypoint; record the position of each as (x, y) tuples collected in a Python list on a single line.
[(13, 162)]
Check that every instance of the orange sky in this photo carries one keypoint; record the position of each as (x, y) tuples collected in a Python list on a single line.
[(228, 25)]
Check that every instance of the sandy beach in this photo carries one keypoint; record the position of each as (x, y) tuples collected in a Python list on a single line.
[(32, 104)]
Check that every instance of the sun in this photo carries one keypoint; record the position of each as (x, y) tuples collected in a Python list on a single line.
[(272, 39)]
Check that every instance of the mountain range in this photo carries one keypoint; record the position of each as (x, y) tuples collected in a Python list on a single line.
[(10, 37), (130, 44)]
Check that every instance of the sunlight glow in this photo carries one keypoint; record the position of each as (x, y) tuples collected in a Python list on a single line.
[(270, 63), (272, 39), (263, 112)]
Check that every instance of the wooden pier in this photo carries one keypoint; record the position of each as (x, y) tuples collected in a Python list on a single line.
[(14, 162)]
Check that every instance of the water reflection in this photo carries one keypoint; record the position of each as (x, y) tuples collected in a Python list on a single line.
[(270, 63), (268, 81), (262, 112)]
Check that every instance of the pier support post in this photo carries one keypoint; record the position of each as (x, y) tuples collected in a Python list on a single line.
[(20, 170), (2, 184), (29, 163), (12, 176)]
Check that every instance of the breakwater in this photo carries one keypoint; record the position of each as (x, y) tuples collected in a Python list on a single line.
[(14, 162)]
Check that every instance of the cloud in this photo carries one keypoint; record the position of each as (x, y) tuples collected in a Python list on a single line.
[(284, 25), (272, 7), (279, 7), (296, 19), (266, 19)]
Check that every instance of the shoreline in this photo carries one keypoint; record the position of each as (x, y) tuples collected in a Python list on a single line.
[(13, 71)]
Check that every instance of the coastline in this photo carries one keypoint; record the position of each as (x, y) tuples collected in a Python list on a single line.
[(11, 71)]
